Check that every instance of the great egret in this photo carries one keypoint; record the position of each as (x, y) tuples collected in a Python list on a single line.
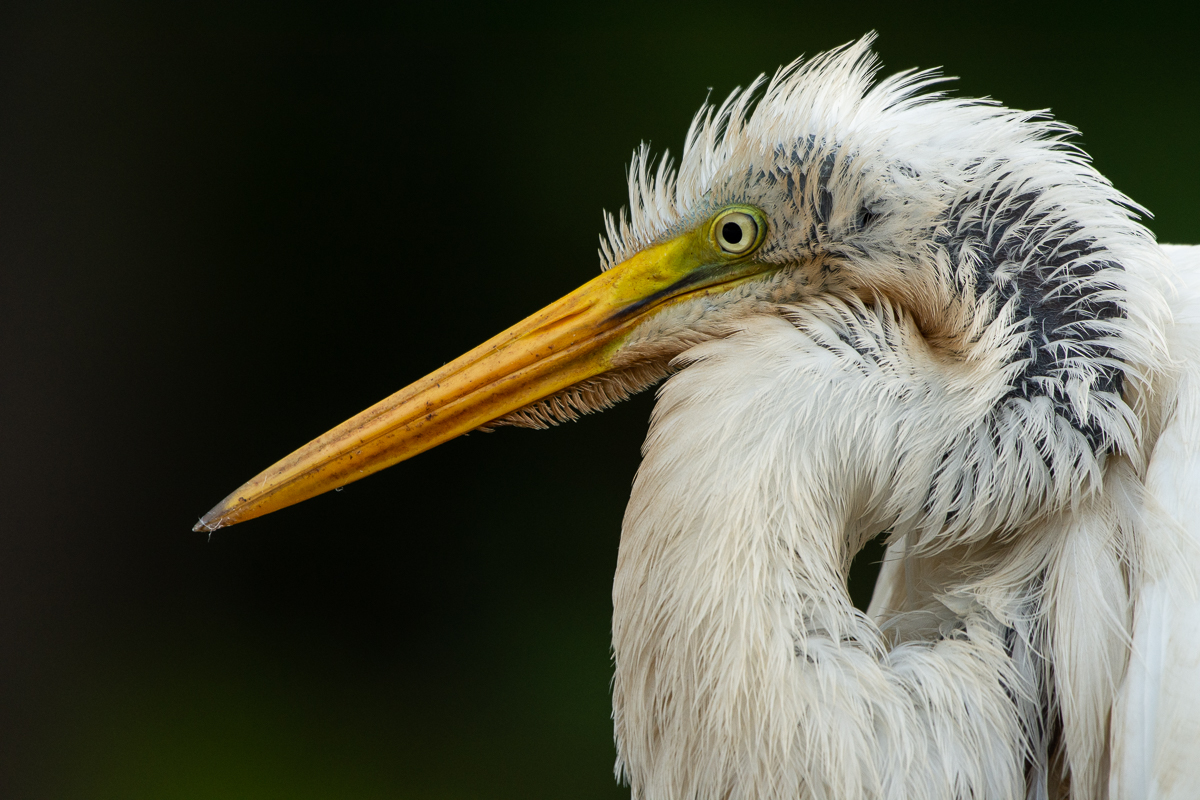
[(884, 310)]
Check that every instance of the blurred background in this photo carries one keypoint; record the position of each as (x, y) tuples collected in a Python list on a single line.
[(225, 227)]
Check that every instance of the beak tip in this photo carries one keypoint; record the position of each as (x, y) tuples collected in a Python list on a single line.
[(208, 523), (218, 517)]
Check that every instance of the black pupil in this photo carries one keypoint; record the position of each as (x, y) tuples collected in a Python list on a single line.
[(732, 232)]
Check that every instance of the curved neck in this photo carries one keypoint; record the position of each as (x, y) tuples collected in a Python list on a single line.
[(742, 668)]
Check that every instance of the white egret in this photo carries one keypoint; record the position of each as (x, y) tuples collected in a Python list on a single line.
[(881, 309)]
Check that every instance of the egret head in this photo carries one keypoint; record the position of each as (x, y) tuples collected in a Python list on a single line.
[(975, 235)]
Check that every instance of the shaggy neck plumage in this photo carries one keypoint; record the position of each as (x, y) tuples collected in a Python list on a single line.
[(742, 669)]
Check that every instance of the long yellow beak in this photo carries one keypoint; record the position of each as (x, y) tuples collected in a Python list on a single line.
[(566, 342)]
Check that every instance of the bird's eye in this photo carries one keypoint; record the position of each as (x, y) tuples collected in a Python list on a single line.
[(736, 232)]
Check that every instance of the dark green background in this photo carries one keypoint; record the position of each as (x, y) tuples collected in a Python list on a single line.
[(224, 228)]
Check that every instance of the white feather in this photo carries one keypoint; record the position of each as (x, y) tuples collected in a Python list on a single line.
[(1156, 728), (875, 383)]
